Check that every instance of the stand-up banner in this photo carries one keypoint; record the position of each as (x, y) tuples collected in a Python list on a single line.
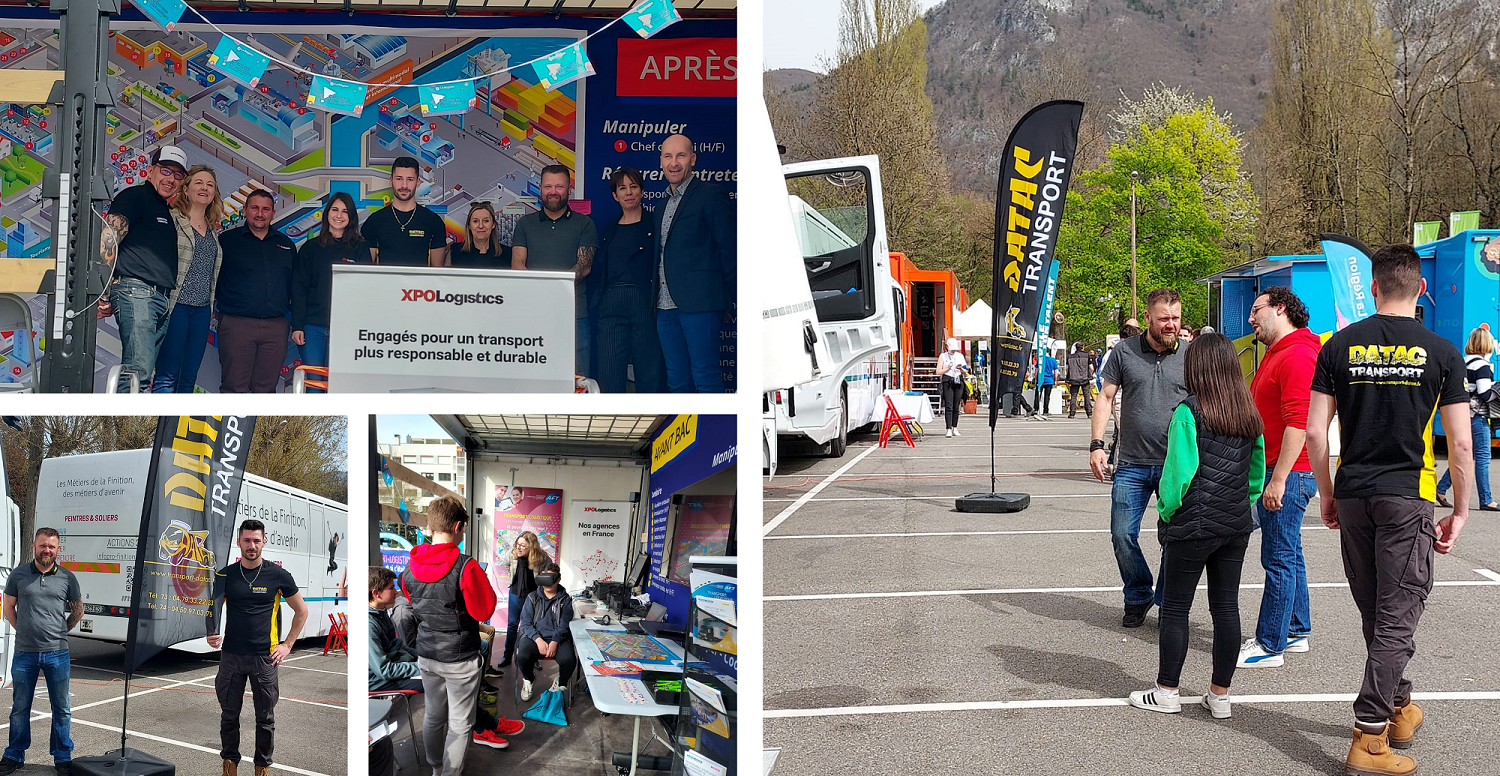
[(1034, 175), (597, 535), (187, 528), (1349, 270)]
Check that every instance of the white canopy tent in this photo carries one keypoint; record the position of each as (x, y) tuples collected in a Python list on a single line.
[(973, 323)]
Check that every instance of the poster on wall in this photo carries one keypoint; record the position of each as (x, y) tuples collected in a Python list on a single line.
[(338, 126), (517, 510), (702, 529), (598, 539)]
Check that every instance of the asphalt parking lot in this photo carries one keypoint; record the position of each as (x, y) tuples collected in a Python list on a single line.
[(903, 636), (174, 713)]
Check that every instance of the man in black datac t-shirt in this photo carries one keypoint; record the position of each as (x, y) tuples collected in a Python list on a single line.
[(252, 591), (1388, 375), (404, 233)]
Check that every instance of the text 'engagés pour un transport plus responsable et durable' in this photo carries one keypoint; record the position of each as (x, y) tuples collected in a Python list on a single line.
[(464, 347)]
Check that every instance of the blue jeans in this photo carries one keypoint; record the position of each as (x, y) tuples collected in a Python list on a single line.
[(1133, 486), (25, 666), (581, 346), (512, 626), (690, 345), (1284, 607), (314, 350), (182, 349), (1481, 430), (141, 314)]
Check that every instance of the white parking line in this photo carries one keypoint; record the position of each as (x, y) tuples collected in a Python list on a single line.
[(948, 497), (806, 497), (1489, 581), (1075, 703), (1305, 527), (186, 745)]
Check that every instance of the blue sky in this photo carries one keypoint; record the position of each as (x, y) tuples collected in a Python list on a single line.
[(405, 425), (801, 32)]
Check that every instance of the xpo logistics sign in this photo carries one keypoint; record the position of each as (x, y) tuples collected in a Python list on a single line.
[(677, 67)]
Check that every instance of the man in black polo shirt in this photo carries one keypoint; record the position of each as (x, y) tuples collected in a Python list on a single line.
[(252, 591), (141, 241), (404, 233), (1387, 377), (254, 292), (42, 603), (557, 238)]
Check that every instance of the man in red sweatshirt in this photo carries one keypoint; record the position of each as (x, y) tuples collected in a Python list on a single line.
[(1281, 389), (450, 596)]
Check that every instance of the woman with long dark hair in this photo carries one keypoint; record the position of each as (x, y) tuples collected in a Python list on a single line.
[(337, 242), (1214, 471)]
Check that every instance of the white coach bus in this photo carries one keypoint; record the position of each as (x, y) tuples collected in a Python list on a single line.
[(95, 502)]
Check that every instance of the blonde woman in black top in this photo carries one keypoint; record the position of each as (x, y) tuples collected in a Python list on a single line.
[(481, 246)]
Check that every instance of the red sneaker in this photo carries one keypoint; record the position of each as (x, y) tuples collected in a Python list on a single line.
[(509, 727), (490, 739)]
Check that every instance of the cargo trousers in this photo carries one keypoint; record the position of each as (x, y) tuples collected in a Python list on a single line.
[(1387, 546)]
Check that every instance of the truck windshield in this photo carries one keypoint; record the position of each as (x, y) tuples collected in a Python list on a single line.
[(834, 220)]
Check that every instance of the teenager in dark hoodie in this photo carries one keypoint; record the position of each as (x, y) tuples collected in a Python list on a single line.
[(450, 597), (544, 629), (393, 664)]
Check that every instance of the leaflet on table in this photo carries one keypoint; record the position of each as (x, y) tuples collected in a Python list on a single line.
[(697, 764), (632, 691), (715, 594), (710, 694), (616, 668)]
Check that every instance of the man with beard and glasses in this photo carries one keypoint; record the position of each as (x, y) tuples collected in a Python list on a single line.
[(1281, 388), (252, 591), (42, 603), (1148, 369), (404, 233), (558, 238)]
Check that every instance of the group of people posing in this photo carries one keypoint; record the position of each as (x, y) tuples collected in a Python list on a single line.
[(428, 635), (1225, 458), (653, 289), (43, 602)]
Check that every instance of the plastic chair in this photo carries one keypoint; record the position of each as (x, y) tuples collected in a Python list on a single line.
[(567, 689), (301, 382), (894, 419), (338, 634)]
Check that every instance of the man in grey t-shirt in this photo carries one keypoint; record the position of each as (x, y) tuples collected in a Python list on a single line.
[(557, 238), (1148, 368), (42, 603)]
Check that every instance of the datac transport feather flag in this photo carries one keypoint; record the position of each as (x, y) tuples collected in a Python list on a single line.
[(1034, 177), (187, 528)]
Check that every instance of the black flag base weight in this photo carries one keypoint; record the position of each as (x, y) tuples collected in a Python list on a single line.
[(126, 762), (994, 502)]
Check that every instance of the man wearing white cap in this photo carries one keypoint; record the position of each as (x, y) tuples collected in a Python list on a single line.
[(140, 240)]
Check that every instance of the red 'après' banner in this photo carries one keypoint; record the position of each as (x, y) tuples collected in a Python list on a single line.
[(677, 67)]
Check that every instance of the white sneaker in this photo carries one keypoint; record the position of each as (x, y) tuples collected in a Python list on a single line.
[(1217, 705), (1157, 699), (1253, 655), (950, 433), (955, 432), (525, 689), (1298, 643)]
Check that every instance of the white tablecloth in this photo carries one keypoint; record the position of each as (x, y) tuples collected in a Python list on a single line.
[(919, 407)]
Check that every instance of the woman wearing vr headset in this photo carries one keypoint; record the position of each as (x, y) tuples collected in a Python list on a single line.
[(544, 629)]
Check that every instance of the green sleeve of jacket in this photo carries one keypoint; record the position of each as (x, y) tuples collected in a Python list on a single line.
[(1181, 466), (1258, 470)]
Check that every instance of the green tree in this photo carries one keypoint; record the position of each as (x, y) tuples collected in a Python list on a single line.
[(1195, 213)]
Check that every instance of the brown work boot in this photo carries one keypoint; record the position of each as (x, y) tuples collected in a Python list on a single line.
[(1370, 755), (1404, 725), (231, 768), (262, 770)]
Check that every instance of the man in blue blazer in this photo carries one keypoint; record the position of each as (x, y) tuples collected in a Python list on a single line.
[(694, 288)]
